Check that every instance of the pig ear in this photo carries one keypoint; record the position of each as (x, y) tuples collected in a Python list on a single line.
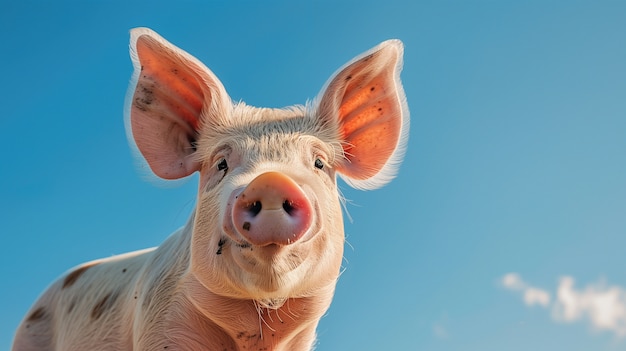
[(365, 100), (169, 95)]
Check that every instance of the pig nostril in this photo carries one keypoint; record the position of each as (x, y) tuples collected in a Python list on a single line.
[(255, 208), (288, 207)]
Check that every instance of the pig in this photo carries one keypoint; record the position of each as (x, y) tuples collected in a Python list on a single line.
[(256, 265)]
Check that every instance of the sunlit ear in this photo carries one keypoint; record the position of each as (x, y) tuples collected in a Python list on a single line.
[(366, 101), (169, 95)]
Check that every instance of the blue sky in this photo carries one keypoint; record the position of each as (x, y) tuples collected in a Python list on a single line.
[(505, 229)]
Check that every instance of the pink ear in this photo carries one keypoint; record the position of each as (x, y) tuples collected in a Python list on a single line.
[(169, 91), (366, 101)]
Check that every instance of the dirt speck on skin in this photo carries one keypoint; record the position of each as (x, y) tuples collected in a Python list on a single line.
[(220, 245)]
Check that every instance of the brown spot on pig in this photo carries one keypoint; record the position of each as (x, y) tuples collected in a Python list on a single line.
[(104, 304), (37, 314), (71, 278)]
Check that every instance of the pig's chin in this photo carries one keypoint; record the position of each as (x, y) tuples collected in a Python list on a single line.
[(272, 271)]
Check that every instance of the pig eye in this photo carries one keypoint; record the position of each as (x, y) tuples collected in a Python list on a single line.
[(319, 164), (222, 165)]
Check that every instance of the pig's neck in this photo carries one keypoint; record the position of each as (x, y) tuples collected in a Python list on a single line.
[(241, 325)]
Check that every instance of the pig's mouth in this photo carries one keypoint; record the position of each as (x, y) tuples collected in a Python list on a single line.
[(241, 245), (244, 245), (269, 252), (273, 259)]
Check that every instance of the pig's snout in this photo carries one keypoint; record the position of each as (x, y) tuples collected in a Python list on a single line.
[(272, 209)]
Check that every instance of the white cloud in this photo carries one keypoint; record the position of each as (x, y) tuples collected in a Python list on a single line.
[(513, 281), (531, 295), (603, 306), (534, 296)]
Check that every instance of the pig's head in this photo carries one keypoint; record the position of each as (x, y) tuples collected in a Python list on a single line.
[(268, 223)]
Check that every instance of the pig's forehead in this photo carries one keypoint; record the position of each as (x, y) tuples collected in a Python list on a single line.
[(272, 133), (246, 122), (272, 138), (265, 120)]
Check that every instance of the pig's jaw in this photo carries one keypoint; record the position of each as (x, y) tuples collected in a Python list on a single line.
[(268, 274), (273, 281)]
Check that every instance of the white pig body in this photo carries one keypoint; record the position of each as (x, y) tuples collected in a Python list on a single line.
[(256, 265)]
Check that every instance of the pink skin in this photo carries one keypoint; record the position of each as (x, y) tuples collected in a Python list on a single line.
[(272, 209)]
